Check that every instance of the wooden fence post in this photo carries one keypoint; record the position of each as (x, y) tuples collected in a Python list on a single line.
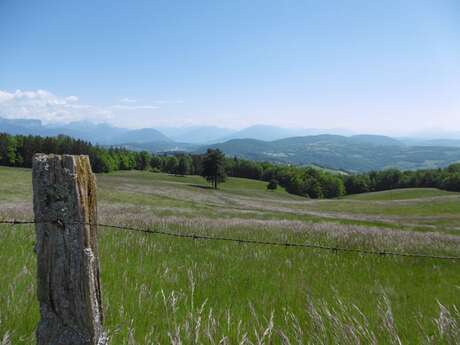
[(68, 288)]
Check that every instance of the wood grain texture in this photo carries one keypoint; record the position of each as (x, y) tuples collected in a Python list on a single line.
[(69, 291)]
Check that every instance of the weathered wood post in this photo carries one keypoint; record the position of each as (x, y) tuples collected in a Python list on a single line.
[(68, 267)]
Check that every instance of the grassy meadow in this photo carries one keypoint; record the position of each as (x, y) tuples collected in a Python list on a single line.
[(164, 290)]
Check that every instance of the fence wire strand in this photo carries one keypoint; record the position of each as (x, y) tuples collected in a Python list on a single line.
[(245, 241)]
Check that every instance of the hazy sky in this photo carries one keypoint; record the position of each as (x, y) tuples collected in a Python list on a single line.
[(376, 66)]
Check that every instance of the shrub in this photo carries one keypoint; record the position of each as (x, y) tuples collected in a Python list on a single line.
[(272, 184)]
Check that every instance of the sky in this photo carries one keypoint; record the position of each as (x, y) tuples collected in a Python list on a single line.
[(367, 66)]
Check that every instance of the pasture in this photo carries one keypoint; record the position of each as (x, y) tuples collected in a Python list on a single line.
[(164, 290)]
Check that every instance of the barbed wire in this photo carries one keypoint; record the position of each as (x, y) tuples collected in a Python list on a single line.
[(245, 241)]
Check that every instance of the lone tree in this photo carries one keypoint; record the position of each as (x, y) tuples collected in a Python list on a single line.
[(214, 167)]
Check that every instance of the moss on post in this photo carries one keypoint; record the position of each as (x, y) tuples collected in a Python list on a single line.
[(68, 288)]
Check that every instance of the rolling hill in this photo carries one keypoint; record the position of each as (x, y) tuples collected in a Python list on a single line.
[(355, 153), (432, 142), (264, 143), (268, 133), (197, 134)]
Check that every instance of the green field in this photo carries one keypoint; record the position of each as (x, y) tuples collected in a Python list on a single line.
[(164, 290), (402, 194)]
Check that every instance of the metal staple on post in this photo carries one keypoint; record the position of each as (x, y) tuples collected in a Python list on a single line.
[(68, 286)]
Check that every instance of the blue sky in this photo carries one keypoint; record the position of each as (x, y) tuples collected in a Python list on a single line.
[(375, 66)]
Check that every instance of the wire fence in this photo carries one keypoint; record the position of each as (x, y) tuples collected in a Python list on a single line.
[(244, 241)]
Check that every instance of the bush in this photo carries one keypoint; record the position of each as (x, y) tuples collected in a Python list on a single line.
[(272, 184)]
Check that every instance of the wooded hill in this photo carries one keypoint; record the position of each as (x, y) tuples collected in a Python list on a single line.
[(309, 182), (359, 153)]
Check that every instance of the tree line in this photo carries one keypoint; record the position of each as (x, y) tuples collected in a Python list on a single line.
[(215, 167)]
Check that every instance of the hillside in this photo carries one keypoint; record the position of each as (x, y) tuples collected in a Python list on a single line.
[(216, 289), (403, 194), (267, 133), (159, 146), (355, 153), (432, 142)]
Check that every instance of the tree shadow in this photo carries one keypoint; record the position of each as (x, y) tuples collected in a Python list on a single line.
[(200, 186)]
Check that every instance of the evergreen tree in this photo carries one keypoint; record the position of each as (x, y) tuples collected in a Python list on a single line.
[(214, 167)]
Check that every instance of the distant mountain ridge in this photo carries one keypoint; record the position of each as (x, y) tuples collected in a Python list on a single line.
[(106, 134), (102, 134), (197, 134), (270, 133), (361, 152), (355, 154)]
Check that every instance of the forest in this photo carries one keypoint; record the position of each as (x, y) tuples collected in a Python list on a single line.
[(311, 182)]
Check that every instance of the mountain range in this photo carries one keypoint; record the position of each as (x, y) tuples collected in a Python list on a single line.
[(340, 151), (102, 134)]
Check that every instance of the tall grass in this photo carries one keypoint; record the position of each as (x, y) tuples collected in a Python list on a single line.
[(163, 291), (160, 290)]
